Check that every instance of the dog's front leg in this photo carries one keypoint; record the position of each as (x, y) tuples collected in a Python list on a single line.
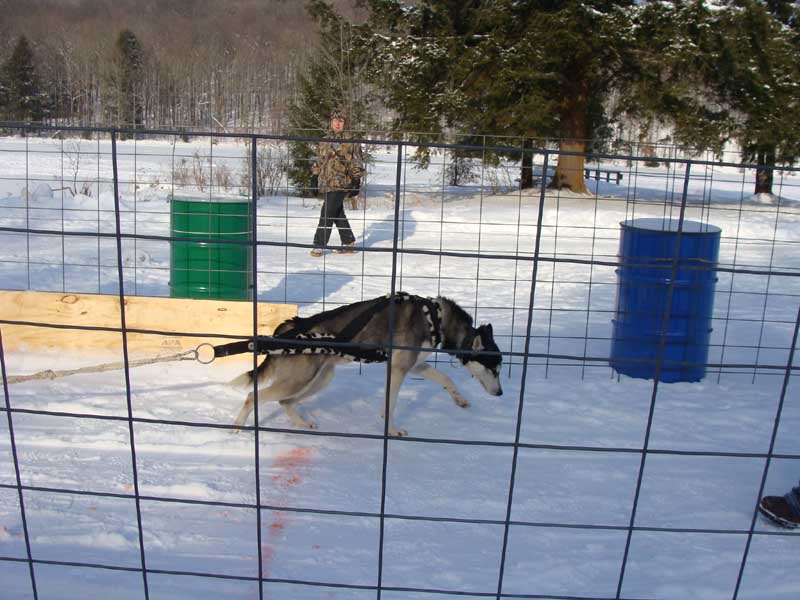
[(394, 388), (432, 374)]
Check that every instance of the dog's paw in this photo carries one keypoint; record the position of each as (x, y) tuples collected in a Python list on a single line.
[(398, 432), (303, 424), (461, 401)]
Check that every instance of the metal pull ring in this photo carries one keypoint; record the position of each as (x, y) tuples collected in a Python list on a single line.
[(208, 359)]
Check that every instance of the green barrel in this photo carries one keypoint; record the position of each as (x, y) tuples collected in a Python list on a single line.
[(204, 269)]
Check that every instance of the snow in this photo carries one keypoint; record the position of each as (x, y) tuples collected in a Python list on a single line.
[(582, 428)]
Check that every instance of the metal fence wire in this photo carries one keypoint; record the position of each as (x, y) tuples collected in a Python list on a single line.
[(542, 265)]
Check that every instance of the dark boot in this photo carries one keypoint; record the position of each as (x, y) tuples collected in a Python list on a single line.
[(346, 248), (783, 510)]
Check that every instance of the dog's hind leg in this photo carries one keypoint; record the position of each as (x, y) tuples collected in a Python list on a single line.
[(265, 395), (320, 380), (432, 374), (297, 419), (289, 390)]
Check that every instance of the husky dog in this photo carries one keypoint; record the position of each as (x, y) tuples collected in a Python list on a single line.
[(420, 324)]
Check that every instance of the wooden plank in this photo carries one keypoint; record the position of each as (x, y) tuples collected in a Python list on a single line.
[(168, 315)]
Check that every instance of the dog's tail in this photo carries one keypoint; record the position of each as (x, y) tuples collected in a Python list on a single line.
[(246, 379)]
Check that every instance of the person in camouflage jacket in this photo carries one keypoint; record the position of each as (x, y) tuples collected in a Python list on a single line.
[(339, 168)]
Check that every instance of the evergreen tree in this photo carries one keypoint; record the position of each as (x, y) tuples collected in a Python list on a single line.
[(126, 82), (423, 54), (420, 63), (332, 79), (307, 118), (557, 63), (666, 74), (758, 77), (4, 95), (520, 68), (21, 96), (568, 69)]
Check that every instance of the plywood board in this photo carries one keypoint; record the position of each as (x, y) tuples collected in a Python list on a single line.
[(171, 317)]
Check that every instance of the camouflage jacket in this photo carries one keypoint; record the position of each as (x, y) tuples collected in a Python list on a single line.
[(338, 165)]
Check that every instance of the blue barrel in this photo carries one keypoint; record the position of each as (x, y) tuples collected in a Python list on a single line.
[(646, 251)]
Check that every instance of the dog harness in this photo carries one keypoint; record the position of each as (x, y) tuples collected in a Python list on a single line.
[(299, 340)]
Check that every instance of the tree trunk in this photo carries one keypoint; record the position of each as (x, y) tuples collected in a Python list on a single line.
[(569, 170), (526, 176), (766, 158)]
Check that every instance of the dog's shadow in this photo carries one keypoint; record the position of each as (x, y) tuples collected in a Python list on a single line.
[(306, 286)]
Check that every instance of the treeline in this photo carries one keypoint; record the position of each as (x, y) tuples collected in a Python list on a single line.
[(198, 63), (711, 72)]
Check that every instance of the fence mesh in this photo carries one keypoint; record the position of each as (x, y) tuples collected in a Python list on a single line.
[(580, 484)]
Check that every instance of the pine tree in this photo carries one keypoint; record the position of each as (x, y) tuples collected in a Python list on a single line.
[(556, 62), (332, 79), (666, 77), (126, 82), (518, 68), (22, 98), (567, 70), (422, 56), (4, 95), (306, 118), (758, 77)]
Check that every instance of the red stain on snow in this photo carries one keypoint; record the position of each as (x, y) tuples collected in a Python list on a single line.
[(287, 473), (296, 457), (286, 481), (278, 523), (267, 554)]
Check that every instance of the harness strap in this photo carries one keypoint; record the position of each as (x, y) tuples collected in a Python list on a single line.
[(433, 315), (295, 340), (300, 326), (322, 345), (365, 316), (467, 352)]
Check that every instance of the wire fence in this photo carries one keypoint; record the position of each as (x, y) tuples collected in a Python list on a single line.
[(97, 216)]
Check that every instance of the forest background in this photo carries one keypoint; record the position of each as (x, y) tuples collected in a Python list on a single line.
[(583, 76)]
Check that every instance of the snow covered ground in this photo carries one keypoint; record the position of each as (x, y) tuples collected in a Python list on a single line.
[(582, 430)]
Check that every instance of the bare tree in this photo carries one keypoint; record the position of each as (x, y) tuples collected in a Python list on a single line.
[(209, 64)]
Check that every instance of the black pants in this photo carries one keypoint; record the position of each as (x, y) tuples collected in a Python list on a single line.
[(332, 213)]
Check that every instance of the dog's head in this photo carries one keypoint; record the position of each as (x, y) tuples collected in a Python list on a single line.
[(484, 359)]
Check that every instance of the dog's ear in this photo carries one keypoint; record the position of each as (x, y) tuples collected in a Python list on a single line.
[(488, 329), (477, 343)]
